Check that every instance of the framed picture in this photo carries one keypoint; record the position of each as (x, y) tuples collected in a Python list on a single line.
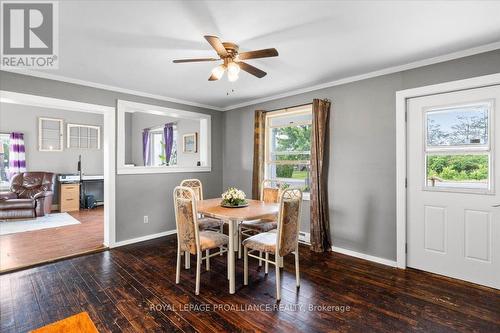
[(190, 143)]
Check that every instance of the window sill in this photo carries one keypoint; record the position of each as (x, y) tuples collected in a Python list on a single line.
[(161, 169)]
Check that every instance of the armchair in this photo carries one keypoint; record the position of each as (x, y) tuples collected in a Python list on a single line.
[(30, 195)]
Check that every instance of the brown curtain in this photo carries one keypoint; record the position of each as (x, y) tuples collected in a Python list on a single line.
[(258, 152), (320, 224)]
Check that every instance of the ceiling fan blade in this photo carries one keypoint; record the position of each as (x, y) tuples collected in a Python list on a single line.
[(251, 69), (178, 61), (265, 53), (217, 45)]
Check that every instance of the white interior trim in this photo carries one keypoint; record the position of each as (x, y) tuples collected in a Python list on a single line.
[(108, 146), (145, 238), (401, 109), (204, 138), (368, 257), (61, 78), (385, 71)]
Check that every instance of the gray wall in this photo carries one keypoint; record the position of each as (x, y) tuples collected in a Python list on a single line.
[(362, 174), (24, 119), (136, 195)]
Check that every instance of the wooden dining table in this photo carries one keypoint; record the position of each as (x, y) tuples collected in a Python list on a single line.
[(233, 217)]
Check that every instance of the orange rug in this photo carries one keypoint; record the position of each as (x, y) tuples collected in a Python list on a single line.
[(78, 323)]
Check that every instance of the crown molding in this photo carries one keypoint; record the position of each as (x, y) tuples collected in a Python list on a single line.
[(385, 71), (49, 76)]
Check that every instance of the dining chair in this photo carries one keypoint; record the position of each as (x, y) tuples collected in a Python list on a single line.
[(268, 194), (190, 239), (280, 243), (205, 223)]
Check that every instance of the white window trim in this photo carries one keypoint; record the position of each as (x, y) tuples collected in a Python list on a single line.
[(204, 139), (68, 135), (267, 153), (40, 138)]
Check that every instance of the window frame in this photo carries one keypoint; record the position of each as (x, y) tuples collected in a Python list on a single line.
[(471, 149), (299, 110), (79, 137), (5, 185), (159, 130)]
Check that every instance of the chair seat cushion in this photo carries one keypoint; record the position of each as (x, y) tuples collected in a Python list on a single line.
[(265, 242), (209, 223), (260, 225), (211, 240), (17, 204)]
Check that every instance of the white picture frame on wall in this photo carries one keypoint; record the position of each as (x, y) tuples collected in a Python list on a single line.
[(190, 143), (89, 139), (50, 134)]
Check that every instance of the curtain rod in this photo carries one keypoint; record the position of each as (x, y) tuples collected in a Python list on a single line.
[(290, 107)]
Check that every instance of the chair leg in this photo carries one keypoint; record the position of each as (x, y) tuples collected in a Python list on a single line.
[(207, 253), (198, 272), (266, 264), (239, 242), (187, 260), (297, 272), (260, 261), (278, 280), (178, 268), (222, 232), (245, 266)]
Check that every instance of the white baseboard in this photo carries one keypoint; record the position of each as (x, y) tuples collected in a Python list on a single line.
[(368, 257), (144, 238)]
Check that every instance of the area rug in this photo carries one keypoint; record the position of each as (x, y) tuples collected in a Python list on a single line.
[(48, 221), (80, 323)]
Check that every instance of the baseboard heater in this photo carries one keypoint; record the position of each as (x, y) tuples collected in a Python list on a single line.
[(304, 237)]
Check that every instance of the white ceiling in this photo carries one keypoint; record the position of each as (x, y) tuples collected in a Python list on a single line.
[(131, 44)]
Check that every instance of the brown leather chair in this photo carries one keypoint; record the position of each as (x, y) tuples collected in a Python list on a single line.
[(30, 195)]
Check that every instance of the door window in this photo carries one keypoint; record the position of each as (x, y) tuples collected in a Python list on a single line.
[(458, 153)]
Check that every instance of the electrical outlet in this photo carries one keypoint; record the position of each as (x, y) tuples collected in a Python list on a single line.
[(146, 219)]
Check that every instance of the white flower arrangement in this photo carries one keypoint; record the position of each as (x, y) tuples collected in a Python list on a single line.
[(233, 197)]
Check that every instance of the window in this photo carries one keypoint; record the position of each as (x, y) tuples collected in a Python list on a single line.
[(4, 160), (458, 152), (50, 134), (288, 147), (157, 148), (84, 136)]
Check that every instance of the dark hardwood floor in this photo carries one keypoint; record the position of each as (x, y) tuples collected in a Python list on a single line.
[(132, 289), (30, 248)]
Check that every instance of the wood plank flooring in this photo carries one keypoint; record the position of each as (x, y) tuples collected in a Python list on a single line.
[(132, 289), (33, 247)]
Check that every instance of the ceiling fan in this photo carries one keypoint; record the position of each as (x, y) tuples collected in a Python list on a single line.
[(228, 52)]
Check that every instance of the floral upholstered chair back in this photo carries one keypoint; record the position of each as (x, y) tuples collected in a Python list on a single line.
[(289, 221), (186, 219), (268, 193), (194, 184)]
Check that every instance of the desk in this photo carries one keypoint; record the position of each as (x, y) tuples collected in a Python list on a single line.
[(93, 184), (233, 217)]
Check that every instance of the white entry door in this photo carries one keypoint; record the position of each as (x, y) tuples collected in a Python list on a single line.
[(453, 191)]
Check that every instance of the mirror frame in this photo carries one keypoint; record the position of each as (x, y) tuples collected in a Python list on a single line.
[(204, 143)]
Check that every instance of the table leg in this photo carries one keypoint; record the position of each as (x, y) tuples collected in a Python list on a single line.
[(230, 258)]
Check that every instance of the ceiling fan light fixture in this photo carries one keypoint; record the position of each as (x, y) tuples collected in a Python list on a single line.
[(232, 76), (218, 71), (233, 68)]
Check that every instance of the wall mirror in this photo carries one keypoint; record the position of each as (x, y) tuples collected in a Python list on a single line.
[(153, 139)]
